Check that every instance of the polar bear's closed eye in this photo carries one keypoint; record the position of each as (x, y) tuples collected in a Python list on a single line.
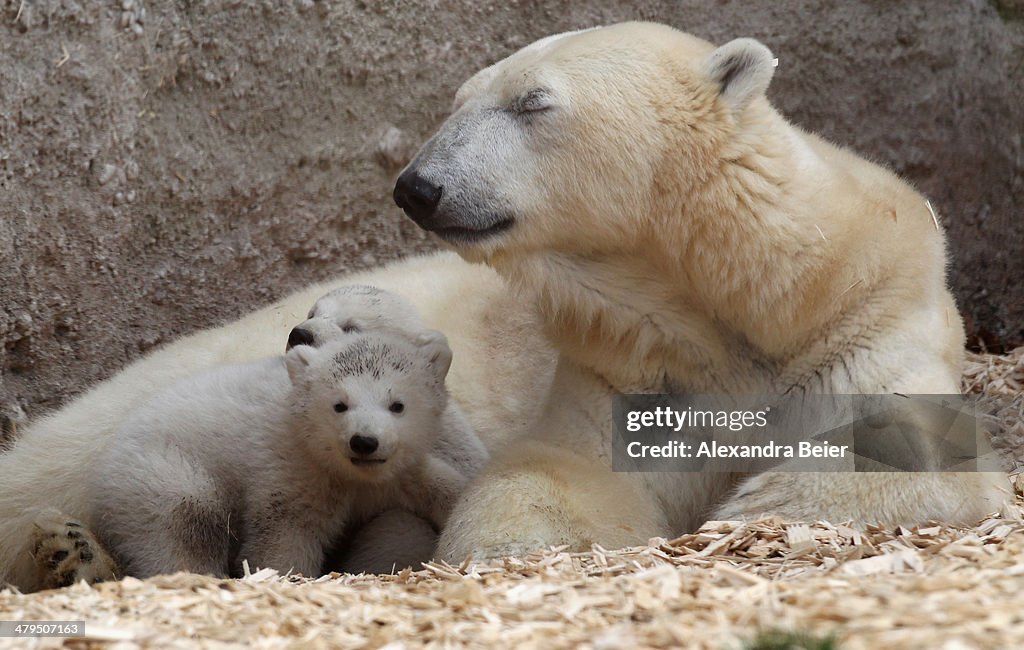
[(533, 101), (482, 79)]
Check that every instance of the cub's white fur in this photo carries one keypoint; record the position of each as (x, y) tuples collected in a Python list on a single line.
[(43, 475), (364, 308), (65, 551), (264, 457)]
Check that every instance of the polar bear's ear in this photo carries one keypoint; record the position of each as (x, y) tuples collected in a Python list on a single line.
[(298, 359), (742, 68), (439, 355)]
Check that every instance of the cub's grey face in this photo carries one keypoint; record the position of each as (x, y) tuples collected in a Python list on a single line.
[(376, 427), (542, 152), (352, 310), (370, 406)]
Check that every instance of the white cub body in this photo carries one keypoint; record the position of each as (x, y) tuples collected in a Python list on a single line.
[(255, 461), (43, 498)]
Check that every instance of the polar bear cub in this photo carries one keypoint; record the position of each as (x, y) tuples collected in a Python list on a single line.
[(365, 308), (65, 549), (268, 461), (356, 308)]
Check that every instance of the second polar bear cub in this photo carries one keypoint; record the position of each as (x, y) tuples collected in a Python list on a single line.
[(268, 461)]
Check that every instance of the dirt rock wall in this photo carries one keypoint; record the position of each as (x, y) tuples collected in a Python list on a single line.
[(166, 166)]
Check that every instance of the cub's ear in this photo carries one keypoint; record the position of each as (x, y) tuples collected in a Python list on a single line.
[(434, 345), (742, 68), (298, 359)]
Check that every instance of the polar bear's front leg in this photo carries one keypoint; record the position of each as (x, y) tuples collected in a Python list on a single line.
[(286, 544), (390, 542), (433, 491), (539, 496), (886, 498)]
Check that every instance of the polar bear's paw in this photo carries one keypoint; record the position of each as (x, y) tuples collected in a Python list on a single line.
[(509, 549), (771, 494), (66, 552), (483, 552)]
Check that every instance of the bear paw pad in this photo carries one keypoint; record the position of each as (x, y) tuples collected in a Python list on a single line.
[(66, 552)]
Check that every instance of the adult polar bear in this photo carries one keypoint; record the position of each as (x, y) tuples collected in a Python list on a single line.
[(677, 234), (668, 231)]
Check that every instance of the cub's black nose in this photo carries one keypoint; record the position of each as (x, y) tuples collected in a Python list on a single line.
[(363, 445), (417, 196), (299, 336)]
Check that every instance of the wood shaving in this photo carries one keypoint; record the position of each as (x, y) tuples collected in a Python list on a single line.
[(932, 586)]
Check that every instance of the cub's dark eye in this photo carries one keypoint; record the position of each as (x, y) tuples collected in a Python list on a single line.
[(348, 328), (340, 407), (396, 407)]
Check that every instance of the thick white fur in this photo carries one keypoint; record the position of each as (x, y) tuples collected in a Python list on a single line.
[(669, 239), (50, 463), (257, 454), (678, 234), (390, 542)]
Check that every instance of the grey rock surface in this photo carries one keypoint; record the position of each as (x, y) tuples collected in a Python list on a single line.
[(166, 166)]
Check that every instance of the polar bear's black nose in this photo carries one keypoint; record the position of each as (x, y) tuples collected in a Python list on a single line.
[(417, 196), (363, 445), (299, 336)]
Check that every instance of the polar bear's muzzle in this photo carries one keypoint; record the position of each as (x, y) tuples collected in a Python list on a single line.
[(421, 200), (459, 235), (418, 197)]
